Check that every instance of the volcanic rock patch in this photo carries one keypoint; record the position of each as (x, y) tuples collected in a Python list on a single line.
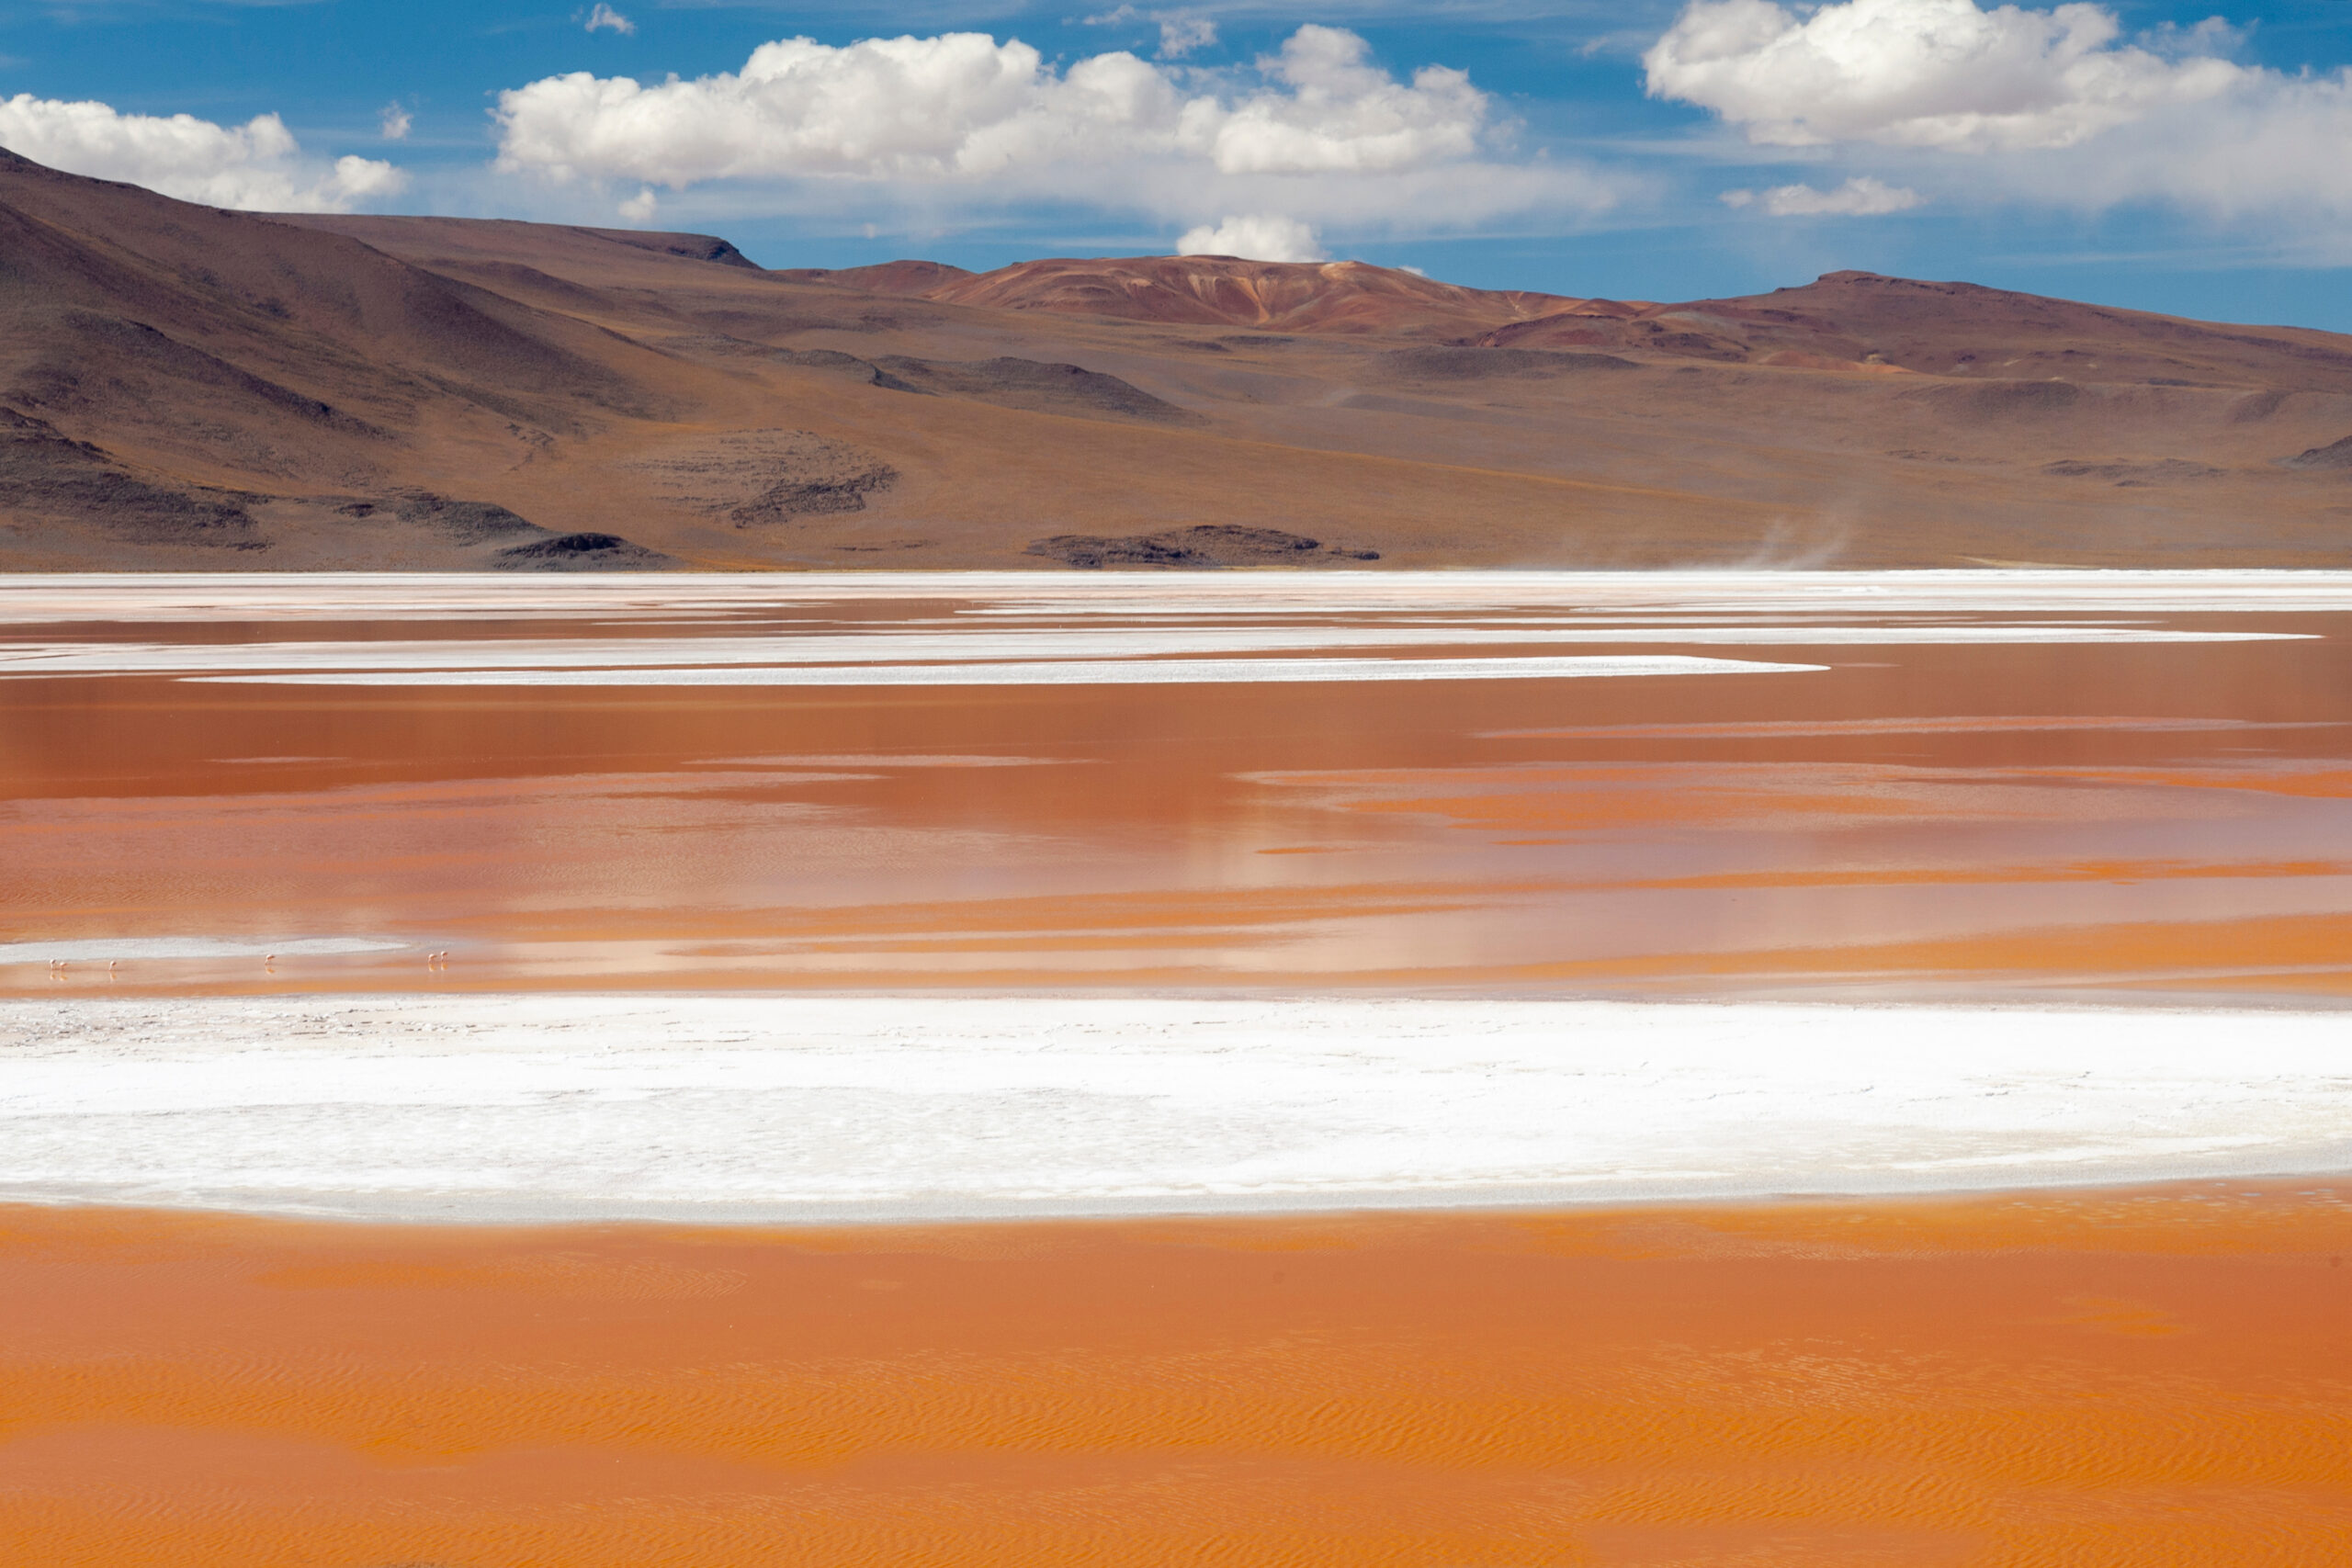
[(756, 477), (2128, 474), (2336, 454), (2002, 401), (43, 474), (463, 522), (1206, 545), (1471, 364), (580, 552), (1035, 385)]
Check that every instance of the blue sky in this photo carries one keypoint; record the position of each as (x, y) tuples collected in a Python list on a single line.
[(2146, 155)]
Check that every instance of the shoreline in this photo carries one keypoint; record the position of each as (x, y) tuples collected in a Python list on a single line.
[(883, 1221), (2328, 1190)]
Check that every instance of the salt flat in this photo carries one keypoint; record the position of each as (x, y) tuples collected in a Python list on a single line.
[(29, 598), (1992, 780), (714, 1107), (1115, 656)]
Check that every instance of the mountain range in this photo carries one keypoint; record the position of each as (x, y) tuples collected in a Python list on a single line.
[(183, 387)]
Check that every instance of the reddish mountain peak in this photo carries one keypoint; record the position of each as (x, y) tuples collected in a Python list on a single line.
[(1347, 297)]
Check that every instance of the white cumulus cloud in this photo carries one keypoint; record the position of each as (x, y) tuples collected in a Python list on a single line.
[(2054, 107), (1317, 129), (2270, 152), (1861, 197), (944, 127), (961, 105), (1342, 112), (1259, 237), (395, 121), (257, 166), (1938, 74), (603, 17)]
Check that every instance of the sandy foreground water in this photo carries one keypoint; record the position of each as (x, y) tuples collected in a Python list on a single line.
[(539, 907), (2153, 1377)]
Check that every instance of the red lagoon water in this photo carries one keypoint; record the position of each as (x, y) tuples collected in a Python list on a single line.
[(2164, 820)]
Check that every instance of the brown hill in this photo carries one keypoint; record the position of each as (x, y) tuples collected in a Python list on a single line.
[(181, 387), (207, 357), (912, 279), (1860, 319)]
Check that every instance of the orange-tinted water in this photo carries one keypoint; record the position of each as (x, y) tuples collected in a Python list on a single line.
[(2167, 818), (2160, 1376), (2096, 1379)]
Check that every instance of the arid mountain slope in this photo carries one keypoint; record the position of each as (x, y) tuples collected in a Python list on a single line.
[(243, 366), (181, 387), (1860, 319)]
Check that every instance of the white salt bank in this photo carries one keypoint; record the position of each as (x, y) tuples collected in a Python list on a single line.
[(806, 1108)]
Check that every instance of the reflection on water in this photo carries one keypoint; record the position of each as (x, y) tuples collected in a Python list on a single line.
[(1976, 788)]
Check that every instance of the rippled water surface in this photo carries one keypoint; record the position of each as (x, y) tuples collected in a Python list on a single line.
[(2149, 1379)]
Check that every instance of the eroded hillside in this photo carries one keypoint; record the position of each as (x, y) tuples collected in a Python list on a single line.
[(187, 388)]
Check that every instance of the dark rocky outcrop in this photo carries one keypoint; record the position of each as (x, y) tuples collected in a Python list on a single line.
[(463, 522), (581, 552), (1471, 364), (1206, 547), (45, 475), (2167, 470), (1035, 385), (2336, 455)]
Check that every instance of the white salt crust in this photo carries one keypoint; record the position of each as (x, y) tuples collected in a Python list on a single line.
[(785, 1107), (35, 598), (1092, 653), (1046, 672)]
